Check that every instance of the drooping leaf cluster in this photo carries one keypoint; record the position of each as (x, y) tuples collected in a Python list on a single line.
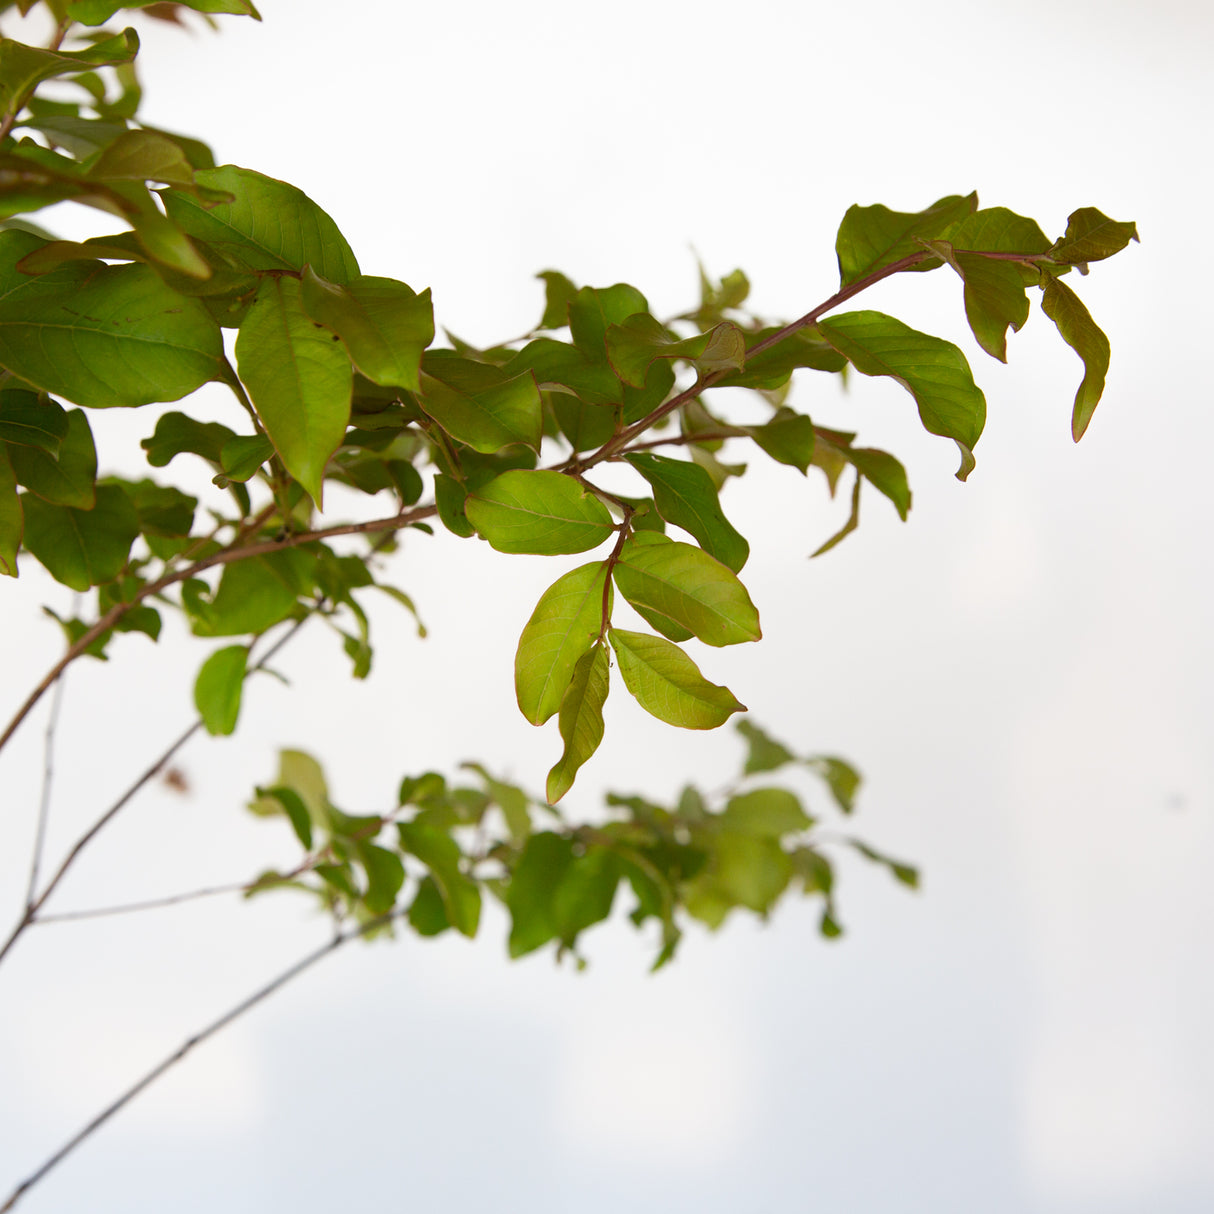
[(430, 860), (549, 445)]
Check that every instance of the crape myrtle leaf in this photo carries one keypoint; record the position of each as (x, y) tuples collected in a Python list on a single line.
[(763, 753), (253, 594), (82, 548), (580, 720), (49, 256), (593, 310), (478, 405), (385, 876), (143, 156), (299, 379), (95, 12), (995, 296), (81, 137), (558, 362), (301, 775), (438, 851), (1091, 236), (427, 914), (385, 325), (561, 629), (240, 457), (268, 225), (853, 521), (884, 472), (74, 630), (164, 241), (544, 513), (684, 495), (163, 511), (840, 777), (24, 67), (997, 230), (638, 402), (587, 427), (788, 438), (743, 870), (102, 336), (558, 295), (829, 926), (873, 237), (67, 480), (905, 873), (765, 813), (12, 518), (932, 370), (773, 367), (218, 688), (282, 799), (509, 798), (668, 684), (633, 345), (679, 583), (451, 499), (178, 432), (585, 892), (532, 889), (1081, 333), (32, 422)]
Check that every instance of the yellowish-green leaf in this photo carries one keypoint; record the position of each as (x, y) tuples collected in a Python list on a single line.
[(12, 519), (217, 690), (581, 719), (299, 379), (871, 238), (1082, 334), (668, 684), (563, 626), (545, 513), (1091, 236)]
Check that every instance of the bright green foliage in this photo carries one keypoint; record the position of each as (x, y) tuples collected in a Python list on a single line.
[(547, 444)]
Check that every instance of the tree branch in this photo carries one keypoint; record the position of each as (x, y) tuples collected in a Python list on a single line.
[(300, 967), (44, 802)]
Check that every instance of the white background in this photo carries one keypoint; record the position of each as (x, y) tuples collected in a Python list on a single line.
[(1022, 670)]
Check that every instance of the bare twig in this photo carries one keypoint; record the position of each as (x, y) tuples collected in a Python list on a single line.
[(301, 966), (36, 903), (44, 802), (127, 908)]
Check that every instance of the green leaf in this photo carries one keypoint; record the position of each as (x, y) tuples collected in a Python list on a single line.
[(772, 368), (585, 893), (282, 799), (559, 363), (931, 369), (31, 422), (82, 548), (563, 626), (385, 876), (884, 472), (1081, 333), (163, 511), (12, 518), (763, 753), (684, 495), (997, 230), (668, 582), (581, 719), (841, 778), (995, 297), (904, 873), (532, 889), (767, 813), (476, 404), (253, 594), (143, 156), (268, 225), (427, 915), (450, 499), (545, 513), (871, 238), (299, 379), (633, 346), (68, 479), (23, 67), (558, 295), (1091, 236), (167, 244), (218, 688), (178, 432), (383, 323), (593, 310), (97, 12), (241, 456), (788, 438), (461, 897), (586, 426), (102, 336), (667, 683)]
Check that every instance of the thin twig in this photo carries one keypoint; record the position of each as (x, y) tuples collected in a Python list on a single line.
[(44, 801), (224, 557), (101, 912), (32, 909), (189, 1044)]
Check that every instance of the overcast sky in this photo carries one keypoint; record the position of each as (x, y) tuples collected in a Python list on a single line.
[(1022, 670)]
